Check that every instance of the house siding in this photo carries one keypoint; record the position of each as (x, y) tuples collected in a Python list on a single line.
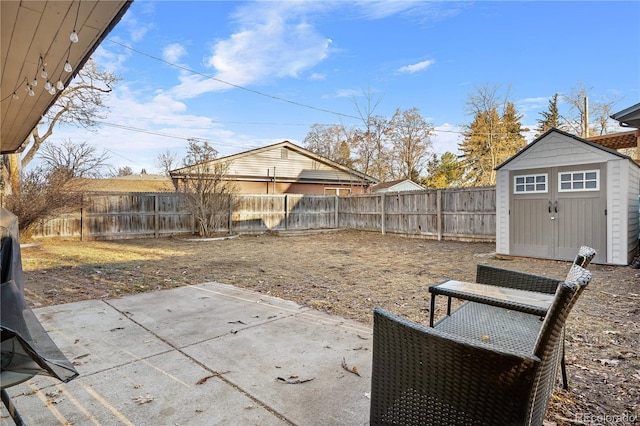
[(284, 168), (295, 166)]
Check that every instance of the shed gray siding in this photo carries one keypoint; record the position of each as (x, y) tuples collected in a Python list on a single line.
[(557, 151), (502, 212)]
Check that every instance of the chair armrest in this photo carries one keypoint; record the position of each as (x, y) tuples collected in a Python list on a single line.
[(439, 378), (486, 274)]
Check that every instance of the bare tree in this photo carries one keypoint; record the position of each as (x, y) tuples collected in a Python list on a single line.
[(77, 160), (371, 144), (578, 114), (166, 162), (584, 106), (45, 194), (330, 142), (207, 193), (80, 104), (124, 171), (411, 138)]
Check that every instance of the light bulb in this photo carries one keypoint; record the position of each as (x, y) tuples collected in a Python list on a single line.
[(74, 36), (68, 67), (44, 73), (59, 85), (47, 85), (52, 90), (34, 82), (15, 96), (31, 92)]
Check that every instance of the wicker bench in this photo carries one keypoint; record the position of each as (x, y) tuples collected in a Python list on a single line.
[(483, 365)]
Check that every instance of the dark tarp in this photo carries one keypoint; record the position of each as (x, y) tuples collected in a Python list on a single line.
[(26, 347)]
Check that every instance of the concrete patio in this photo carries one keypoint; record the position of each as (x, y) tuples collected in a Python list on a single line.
[(201, 355)]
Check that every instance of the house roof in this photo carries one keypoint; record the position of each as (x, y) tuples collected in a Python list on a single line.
[(629, 117), (392, 183), (40, 29), (285, 144), (132, 183), (569, 135)]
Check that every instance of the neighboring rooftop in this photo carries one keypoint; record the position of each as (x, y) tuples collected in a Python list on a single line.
[(131, 183)]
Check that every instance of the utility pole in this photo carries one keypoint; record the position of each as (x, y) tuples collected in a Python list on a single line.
[(586, 117)]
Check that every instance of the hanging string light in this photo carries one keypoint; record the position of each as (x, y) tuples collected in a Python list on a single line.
[(44, 73), (74, 35), (41, 69)]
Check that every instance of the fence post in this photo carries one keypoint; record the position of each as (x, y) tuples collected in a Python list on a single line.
[(286, 211), (439, 213), (155, 216), (335, 212), (230, 224), (82, 217), (383, 213)]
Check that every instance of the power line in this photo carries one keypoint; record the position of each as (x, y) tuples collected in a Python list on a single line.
[(167, 135), (237, 86)]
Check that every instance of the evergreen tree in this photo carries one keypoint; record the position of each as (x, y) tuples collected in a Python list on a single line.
[(550, 118), (492, 137), (444, 172)]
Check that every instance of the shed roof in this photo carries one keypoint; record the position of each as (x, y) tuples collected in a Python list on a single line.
[(569, 135)]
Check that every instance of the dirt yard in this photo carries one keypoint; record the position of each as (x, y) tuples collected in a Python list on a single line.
[(348, 273)]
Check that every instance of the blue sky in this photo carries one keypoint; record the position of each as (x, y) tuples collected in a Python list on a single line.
[(249, 74)]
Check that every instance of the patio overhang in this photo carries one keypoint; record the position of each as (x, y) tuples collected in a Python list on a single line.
[(36, 34), (629, 117), (618, 141)]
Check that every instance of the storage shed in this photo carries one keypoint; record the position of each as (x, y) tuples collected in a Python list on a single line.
[(561, 192)]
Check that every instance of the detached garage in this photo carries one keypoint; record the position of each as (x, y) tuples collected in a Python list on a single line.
[(561, 192)]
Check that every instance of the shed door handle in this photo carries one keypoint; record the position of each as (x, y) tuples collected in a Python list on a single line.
[(555, 206), (549, 206)]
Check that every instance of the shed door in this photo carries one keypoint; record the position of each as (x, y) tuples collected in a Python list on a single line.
[(555, 211)]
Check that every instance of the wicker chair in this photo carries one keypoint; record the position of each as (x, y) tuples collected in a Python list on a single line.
[(486, 274), (459, 373)]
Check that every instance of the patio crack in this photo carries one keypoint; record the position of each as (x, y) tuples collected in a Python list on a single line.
[(217, 374)]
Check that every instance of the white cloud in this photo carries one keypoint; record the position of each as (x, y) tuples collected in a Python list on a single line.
[(446, 138), (348, 93), (173, 52), (414, 68), (317, 76), (274, 40)]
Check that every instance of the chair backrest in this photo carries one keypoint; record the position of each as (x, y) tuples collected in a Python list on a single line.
[(563, 302), (548, 345), (584, 257)]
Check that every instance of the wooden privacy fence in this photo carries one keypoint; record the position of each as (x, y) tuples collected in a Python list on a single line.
[(466, 214)]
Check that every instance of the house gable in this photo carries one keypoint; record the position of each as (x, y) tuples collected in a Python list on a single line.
[(288, 163)]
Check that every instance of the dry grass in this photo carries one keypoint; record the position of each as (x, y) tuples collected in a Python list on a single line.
[(348, 273)]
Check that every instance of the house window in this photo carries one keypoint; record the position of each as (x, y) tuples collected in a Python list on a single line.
[(337, 191), (525, 184), (284, 153), (584, 180)]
